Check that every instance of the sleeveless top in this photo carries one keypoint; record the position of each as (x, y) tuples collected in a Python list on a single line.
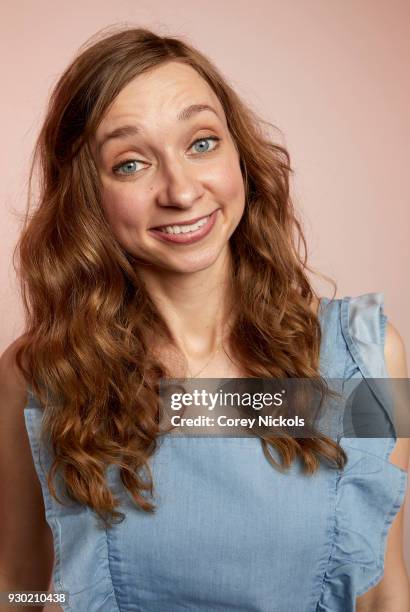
[(230, 531)]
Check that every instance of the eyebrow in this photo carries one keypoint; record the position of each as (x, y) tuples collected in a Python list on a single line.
[(131, 130)]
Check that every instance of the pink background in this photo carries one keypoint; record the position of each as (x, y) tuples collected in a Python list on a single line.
[(332, 75)]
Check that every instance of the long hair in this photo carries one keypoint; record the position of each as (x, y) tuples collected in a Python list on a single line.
[(85, 350)]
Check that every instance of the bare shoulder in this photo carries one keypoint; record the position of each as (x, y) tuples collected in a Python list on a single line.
[(27, 551), (395, 353), (17, 469), (12, 382), (396, 363), (13, 398), (13, 393)]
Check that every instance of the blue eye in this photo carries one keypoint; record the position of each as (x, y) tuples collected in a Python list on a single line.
[(202, 141), (126, 168), (129, 166)]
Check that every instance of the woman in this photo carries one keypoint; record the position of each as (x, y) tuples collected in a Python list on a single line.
[(163, 246)]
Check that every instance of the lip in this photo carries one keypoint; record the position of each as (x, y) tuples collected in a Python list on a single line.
[(190, 222), (190, 237)]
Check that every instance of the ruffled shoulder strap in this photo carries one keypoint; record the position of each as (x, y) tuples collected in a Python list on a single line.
[(364, 329), (370, 489), (363, 323)]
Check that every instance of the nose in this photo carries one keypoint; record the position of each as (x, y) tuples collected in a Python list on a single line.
[(178, 186)]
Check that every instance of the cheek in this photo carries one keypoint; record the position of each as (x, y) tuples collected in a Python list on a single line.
[(231, 187), (122, 209)]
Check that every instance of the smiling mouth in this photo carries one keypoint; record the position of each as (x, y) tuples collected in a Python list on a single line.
[(188, 232), (185, 226)]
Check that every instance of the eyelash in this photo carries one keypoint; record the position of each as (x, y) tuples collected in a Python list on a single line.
[(128, 161)]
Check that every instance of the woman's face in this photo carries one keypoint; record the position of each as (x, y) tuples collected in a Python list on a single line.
[(165, 160)]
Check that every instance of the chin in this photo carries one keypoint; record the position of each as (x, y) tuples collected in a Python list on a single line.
[(192, 262)]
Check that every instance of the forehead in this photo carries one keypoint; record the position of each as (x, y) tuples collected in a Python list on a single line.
[(161, 93)]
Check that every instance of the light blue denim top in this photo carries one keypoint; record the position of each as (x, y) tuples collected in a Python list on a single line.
[(230, 531)]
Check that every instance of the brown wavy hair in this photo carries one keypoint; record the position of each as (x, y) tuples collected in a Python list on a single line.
[(85, 350)]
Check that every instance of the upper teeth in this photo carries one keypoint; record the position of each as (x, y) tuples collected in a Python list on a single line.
[(184, 229)]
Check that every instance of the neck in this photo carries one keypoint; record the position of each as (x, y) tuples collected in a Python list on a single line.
[(195, 306)]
